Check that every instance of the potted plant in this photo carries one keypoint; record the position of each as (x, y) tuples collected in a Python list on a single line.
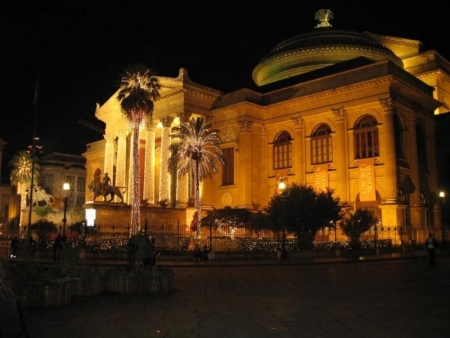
[(164, 203)]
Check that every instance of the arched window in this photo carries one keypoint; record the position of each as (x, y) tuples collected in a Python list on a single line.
[(366, 138), (282, 151), (321, 145), (401, 197)]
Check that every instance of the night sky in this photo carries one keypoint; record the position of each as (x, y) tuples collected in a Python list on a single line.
[(78, 50)]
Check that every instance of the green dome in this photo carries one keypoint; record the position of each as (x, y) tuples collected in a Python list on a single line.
[(322, 47)]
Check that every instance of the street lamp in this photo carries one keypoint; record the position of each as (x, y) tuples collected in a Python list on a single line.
[(280, 191), (67, 194), (442, 195)]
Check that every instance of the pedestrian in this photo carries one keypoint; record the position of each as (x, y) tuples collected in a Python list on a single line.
[(31, 247), (57, 245), (197, 253), (205, 253), (150, 255), (14, 247), (431, 244)]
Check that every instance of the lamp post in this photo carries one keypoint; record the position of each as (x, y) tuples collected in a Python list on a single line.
[(280, 191), (67, 194), (442, 195)]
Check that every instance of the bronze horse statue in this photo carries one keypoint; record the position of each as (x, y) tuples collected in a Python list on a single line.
[(101, 189)]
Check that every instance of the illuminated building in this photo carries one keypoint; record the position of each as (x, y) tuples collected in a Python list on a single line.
[(334, 108)]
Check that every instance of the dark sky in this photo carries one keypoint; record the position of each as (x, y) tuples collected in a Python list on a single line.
[(78, 50)]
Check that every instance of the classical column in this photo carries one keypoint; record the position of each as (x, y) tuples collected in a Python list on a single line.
[(121, 163), (413, 159), (299, 150), (387, 140), (164, 177), (149, 164), (183, 181), (430, 126), (245, 164), (340, 153), (263, 172), (108, 165)]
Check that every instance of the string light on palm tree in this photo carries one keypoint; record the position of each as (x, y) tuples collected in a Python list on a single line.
[(196, 151), (139, 88), (23, 171)]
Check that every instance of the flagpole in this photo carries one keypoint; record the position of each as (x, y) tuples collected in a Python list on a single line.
[(33, 152)]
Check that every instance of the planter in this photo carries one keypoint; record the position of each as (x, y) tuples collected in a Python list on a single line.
[(87, 286), (42, 296), (161, 282), (211, 255)]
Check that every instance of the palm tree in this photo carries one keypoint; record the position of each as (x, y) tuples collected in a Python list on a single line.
[(357, 223), (139, 88), (196, 151), (22, 173)]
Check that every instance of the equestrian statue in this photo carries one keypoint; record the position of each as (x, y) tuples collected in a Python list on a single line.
[(104, 188)]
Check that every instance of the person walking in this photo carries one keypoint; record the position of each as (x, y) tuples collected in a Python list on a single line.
[(14, 247), (150, 255), (57, 247), (431, 244)]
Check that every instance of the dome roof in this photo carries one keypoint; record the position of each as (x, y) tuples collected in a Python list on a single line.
[(322, 47)]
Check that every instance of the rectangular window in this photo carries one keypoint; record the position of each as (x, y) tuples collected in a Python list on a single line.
[(80, 201), (47, 181), (81, 184), (321, 150), (228, 168), (366, 144), (71, 180), (282, 156)]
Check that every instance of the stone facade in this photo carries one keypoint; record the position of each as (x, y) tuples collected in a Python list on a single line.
[(362, 127)]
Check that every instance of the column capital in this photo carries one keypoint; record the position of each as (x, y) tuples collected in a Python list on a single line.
[(123, 133), (298, 122), (339, 113), (149, 124), (245, 126), (167, 121), (109, 137), (184, 115), (413, 115), (263, 130), (387, 103)]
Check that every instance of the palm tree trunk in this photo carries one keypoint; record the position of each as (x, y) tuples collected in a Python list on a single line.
[(21, 191), (197, 199), (136, 182)]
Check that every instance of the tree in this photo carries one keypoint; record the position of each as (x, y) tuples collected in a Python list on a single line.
[(196, 151), (139, 88), (22, 173), (357, 223), (226, 219), (303, 210)]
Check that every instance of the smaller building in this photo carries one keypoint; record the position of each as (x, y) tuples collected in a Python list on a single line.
[(59, 168)]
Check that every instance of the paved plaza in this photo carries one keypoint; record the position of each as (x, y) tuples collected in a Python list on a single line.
[(390, 298)]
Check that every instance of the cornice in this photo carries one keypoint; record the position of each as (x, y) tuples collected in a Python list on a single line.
[(184, 79)]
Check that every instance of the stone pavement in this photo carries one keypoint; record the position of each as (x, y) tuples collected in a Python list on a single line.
[(379, 296)]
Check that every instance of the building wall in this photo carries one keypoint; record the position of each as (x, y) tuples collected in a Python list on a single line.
[(404, 193)]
